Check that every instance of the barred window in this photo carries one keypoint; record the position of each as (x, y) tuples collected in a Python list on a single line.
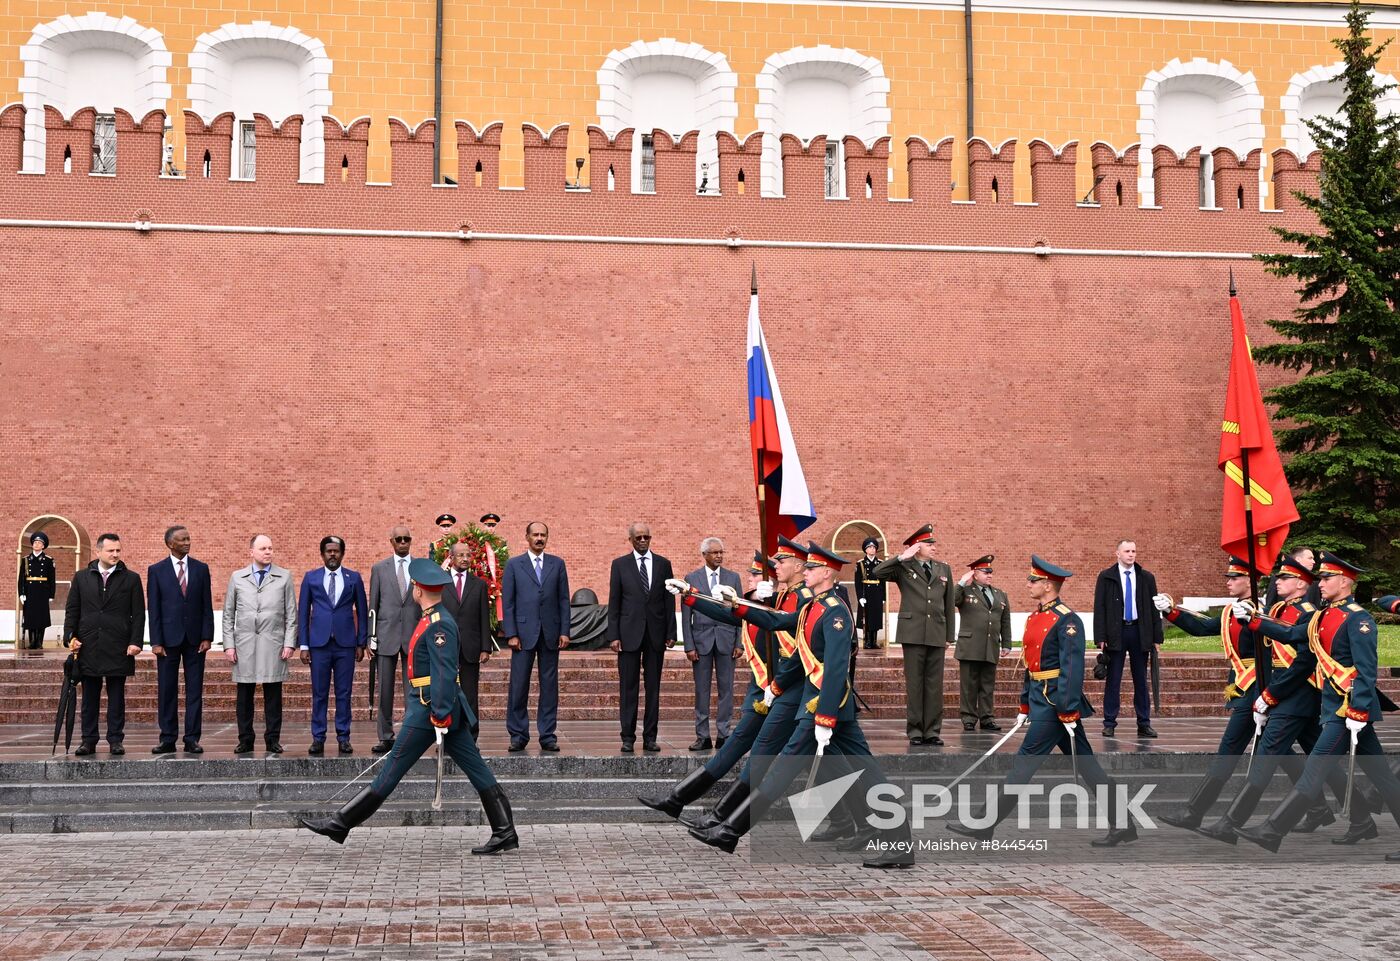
[(247, 150), (833, 170), (104, 144), (648, 185)]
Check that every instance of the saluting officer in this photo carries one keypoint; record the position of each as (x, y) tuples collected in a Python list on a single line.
[(984, 635), (1052, 696), (870, 594), (437, 711), (38, 583), (1342, 636)]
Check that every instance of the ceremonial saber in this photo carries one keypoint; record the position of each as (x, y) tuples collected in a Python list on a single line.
[(1351, 775), (816, 763), (378, 761), (1074, 753), (1254, 744), (1020, 720), (437, 791)]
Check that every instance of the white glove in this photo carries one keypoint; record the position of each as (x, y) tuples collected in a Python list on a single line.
[(440, 733), (1260, 718), (724, 592), (1261, 706), (767, 696), (763, 590), (1162, 602), (676, 586), (1355, 726), (23, 598), (862, 602), (1242, 611), (823, 735), (1070, 727)]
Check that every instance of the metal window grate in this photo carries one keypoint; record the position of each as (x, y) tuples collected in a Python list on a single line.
[(648, 185), (833, 169), (104, 144), (247, 150)]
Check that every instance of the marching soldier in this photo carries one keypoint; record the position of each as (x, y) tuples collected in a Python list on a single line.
[(822, 629), (38, 583), (984, 635), (1052, 697), (1342, 636), (766, 719), (870, 595), (437, 710), (1288, 711)]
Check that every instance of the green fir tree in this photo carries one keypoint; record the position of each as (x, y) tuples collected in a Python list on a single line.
[(1344, 339)]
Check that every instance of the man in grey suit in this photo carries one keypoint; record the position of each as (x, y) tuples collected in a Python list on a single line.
[(924, 630), (396, 614), (260, 635), (984, 635), (710, 646)]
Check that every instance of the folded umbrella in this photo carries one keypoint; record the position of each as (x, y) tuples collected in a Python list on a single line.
[(67, 705)]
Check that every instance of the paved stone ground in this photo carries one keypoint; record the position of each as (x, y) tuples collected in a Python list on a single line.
[(611, 892)]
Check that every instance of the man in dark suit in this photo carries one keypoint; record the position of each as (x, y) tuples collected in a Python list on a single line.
[(642, 624), (927, 605), (465, 600), (333, 633), (710, 646), (105, 623), (180, 606), (535, 620), (1126, 624)]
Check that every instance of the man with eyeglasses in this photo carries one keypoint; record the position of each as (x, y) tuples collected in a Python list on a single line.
[(395, 616), (641, 624), (710, 646)]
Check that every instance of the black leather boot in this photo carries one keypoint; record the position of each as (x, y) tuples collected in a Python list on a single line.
[(844, 822), (1237, 815), (1190, 817), (893, 849), (1116, 835), (727, 833), (1269, 835), (724, 807), (1360, 829), (497, 807), (337, 827), (1318, 816), (1006, 807), (691, 787)]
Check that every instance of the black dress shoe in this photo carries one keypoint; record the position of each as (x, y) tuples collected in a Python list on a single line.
[(719, 742), (165, 747), (626, 747), (916, 741), (1115, 837), (1110, 730), (383, 747), (85, 749), (274, 747), (116, 750), (1145, 730), (243, 747), (1356, 833), (517, 746), (650, 747), (317, 748), (969, 727), (935, 740), (345, 747), (991, 726), (192, 747), (550, 746), (701, 744)]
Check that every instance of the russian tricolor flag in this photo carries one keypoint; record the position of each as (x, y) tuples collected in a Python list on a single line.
[(786, 503)]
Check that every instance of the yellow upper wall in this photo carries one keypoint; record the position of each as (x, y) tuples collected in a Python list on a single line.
[(1055, 77)]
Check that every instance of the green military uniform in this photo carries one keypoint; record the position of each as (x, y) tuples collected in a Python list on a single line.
[(984, 633), (927, 608), (38, 582)]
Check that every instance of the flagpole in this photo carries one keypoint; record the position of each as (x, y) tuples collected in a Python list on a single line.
[(1263, 656)]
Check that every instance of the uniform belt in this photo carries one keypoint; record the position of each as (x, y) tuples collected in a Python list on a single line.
[(425, 681), (36, 578), (1045, 675)]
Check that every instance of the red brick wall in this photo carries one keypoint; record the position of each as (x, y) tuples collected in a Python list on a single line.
[(305, 385)]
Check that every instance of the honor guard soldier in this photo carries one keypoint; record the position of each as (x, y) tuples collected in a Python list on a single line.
[(1052, 698), (1287, 710), (767, 719), (38, 583), (437, 711), (822, 629), (445, 523), (984, 635), (1342, 636), (870, 594)]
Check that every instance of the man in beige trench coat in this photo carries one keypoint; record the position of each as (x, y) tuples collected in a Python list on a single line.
[(260, 635)]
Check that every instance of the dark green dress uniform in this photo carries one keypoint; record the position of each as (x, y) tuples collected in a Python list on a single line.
[(1342, 637), (984, 634), (870, 597), (1052, 697), (38, 582), (822, 629), (435, 704)]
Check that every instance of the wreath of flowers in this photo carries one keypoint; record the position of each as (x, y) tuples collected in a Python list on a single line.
[(481, 541)]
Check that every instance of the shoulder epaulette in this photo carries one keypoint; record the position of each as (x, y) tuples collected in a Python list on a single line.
[(434, 617), (1063, 609), (1306, 607), (1355, 607), (832, 602), (804, 592)]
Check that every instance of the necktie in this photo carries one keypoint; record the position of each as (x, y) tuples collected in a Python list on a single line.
[(987, 593), (459, 585), (928, 571), (335, 589), (184, 584), (260, 575), (403, 576), (1128, 613), (714, 581), (539, 570), (642, 566), (106, 574)]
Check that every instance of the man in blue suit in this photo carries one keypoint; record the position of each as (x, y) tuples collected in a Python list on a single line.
[(535, 619), (180, 611), (333, 633)]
